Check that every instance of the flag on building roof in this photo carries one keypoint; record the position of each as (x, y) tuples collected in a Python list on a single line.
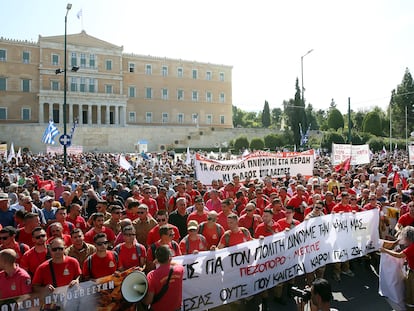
[(50, 133)]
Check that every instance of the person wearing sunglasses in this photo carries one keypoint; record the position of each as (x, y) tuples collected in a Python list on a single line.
[(60, 270), (114, 222), (103, 262), (130, 253), (37, 255), (8, 240), (162, 219)]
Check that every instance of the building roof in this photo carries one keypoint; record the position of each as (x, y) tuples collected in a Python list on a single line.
[(82, 39)]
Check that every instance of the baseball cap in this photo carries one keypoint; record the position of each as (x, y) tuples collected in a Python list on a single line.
[(4, 196), (192, 225)]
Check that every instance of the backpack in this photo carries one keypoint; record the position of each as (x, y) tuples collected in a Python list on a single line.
[(117, 249), (154, 247), (227, 235), (201, 229), (115, 254)]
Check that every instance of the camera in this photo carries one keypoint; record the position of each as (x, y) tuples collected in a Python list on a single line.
[(304, 294)]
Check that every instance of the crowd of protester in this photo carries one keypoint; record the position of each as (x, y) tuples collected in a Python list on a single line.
[(92, 218)]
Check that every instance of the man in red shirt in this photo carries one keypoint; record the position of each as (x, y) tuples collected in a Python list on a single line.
[(166, 272), (288, 222), (35, 256), (130, 253), (268, 226), (278, 211), (405, 220), (372, 203), (74, 217), (162, 219), (260, 200), (226, 209), (199, 214), (149, 201), (193, 242), (103, 262), (66, 270), (98, 227), (166, 238), (250, 220), (211, 230), (343, 206), (61, 215), (189, 189), (180, 193), (162, 199), (298, 201), (329, 201), (24, 234), (7, 240), (235, 235), (56, 231), (14, 280)]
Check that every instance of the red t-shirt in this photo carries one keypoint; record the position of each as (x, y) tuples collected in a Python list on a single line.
[(174, 247), (24, 237), (17, 284), (66, 239), (32, 259), (212, 234), (342, 208), (79, 222), (296, 201), (91, 234), (152, 205), (265, 230), (18, 248), (199, 218), (162, 203), (171, 300), (235, 238), (67, 228), (222, 220), (193, 194), (65, 272), (250, 223), (284, 224), (96, 267), (188, 246), (409, 254), (154, 234), (130, 257), (278, 215), (406, 220)]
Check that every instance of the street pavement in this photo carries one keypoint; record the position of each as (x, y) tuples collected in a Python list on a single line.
[(351, 293)]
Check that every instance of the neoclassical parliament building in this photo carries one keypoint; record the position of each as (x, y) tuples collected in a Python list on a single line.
[(106, 87)]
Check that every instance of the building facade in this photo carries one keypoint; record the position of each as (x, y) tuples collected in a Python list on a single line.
[(108, 87)]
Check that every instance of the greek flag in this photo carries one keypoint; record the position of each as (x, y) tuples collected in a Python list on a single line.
[(50, 133)]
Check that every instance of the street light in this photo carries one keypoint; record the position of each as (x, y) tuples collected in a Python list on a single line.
[(301, 70), (68, 7)]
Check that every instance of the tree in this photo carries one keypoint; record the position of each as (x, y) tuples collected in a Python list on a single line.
[(331, 137), (257, 144), (335, 119), (402, 99), (276, 117), (238, 116), (295, 113), (266, 115), (273, 141), (241, 143), (311, 118), (358, 119), (372, 123)]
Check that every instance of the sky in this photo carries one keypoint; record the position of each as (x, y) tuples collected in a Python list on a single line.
[(361, 49)]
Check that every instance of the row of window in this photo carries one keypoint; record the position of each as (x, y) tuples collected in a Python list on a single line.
[(165, 118), (26, 114), (25, 84), (149, 94), (180, 118), (82, 84), (84, 60)]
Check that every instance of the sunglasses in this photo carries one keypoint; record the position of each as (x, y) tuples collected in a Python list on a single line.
[(40, 236), (4, 238), (102, 243), (140, 212), (249, 210), (161, 220), (55, 249), (211, 219)]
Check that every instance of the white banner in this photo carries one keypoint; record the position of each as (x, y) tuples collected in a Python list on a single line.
[(69, 150), (411, 154), (213, 278), (255, 165), (359, 154)]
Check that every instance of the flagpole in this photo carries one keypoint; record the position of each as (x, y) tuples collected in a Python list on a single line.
[(68, 7)]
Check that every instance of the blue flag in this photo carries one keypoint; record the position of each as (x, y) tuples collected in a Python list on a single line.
[(50, 133)]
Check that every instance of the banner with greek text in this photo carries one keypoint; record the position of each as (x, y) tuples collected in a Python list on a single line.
[(218, 277), (213, 278), (359, 154), (255, 165)]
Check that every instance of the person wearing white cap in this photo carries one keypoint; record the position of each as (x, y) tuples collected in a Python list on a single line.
[(48, 210), (6, 214), (193, 242)]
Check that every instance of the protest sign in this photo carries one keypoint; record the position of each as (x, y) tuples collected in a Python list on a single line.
[(359, 153), (411, 154), (213, 278), (255, 165)]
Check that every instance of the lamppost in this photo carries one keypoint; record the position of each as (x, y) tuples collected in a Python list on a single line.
[(301, 70), (68, 7)]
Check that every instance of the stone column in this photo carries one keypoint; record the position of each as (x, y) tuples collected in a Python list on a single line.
[(107, 119), (80, 118), (116, 121), (89, 114), (41, 112), (98, 114)]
